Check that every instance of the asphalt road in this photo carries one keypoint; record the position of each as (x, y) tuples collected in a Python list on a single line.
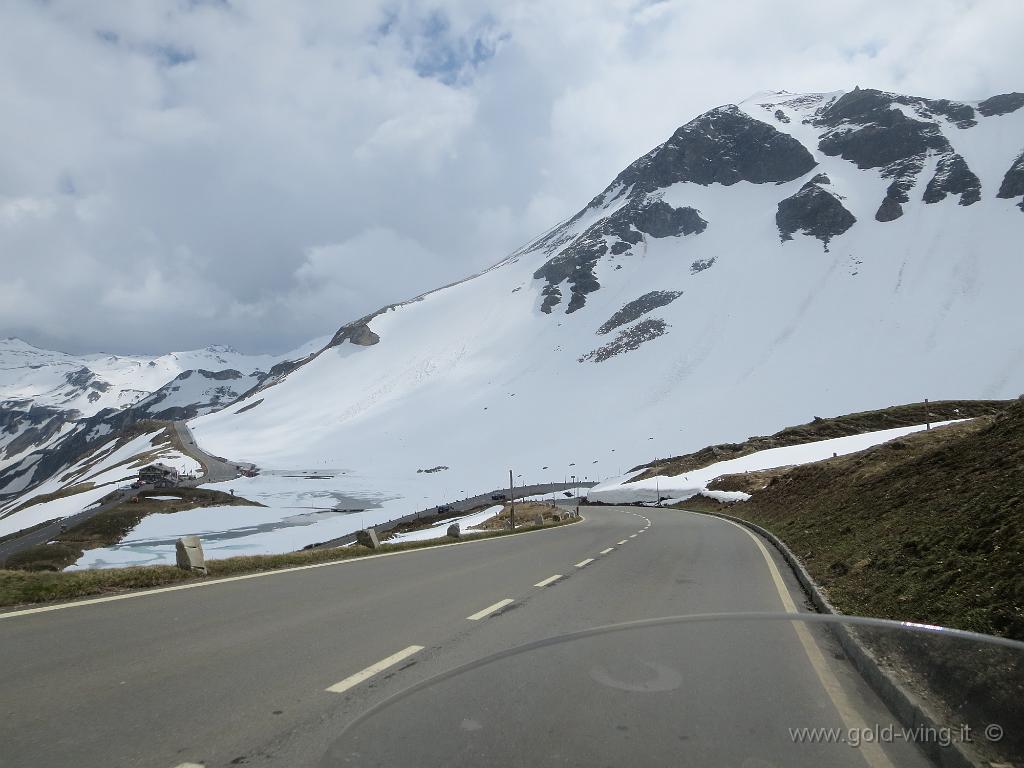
[(216, 469), (238, 672)]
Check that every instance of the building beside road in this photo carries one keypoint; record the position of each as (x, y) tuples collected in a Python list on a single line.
[(159, 474)]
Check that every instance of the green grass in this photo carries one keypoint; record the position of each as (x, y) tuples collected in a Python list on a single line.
[(19, 587), (826, 429), (926, 528)]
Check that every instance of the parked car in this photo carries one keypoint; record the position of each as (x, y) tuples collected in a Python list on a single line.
[(137, 484), (498, 496), (442, 508)]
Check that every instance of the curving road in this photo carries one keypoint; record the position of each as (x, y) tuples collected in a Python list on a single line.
[(215, 468), (269, 670)]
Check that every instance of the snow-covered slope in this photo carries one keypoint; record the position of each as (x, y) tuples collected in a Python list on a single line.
[(90, 383), (790, 256), (91, 478), (45, 395)]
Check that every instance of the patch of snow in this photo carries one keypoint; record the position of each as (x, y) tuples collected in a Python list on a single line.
[(685, 486)]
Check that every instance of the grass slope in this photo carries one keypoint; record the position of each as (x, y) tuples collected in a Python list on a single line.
[(928, 528), (825, 429)]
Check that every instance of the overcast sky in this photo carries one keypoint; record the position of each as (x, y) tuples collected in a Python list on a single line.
[(175, 174)]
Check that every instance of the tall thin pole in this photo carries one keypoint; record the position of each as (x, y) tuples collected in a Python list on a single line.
[(927, 415), (512, 500)]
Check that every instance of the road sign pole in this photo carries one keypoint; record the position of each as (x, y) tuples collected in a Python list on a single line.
[(512, 501)]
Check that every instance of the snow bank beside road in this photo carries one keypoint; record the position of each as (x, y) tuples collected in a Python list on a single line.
[(682, 487), (440, 529)]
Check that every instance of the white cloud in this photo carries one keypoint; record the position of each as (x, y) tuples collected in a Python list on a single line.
[(170, 172)]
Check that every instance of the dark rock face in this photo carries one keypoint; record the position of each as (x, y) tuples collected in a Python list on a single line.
[(228, 374), (952, 176), (701, 264), (42, 464), (960, 114), (1002, 104), (576, 262), (638, 308), (815, 212), (781, 116), (722, 146), (890, 209), (866, 128), (38, 425), (79, 378), (357, 332), (659, 219), (883, 136), (83, 378), (1013, 181), (628, 339)]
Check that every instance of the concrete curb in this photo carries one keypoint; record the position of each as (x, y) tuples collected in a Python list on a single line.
[(908, 708)]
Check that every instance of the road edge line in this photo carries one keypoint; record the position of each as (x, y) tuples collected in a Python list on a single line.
[(46, 608), (907, 707)]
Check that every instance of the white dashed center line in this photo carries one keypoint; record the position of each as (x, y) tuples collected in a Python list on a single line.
[(606, 551), (584, 562), (548, 580), (373, 669), (633, 536), (622, 542), (490, 609)]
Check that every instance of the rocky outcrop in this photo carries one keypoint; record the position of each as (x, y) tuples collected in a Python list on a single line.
[(628, 339), (867, 131), (637, 308), (891, 208), (1013, 182), (1002, 104), (952, 176), (357, 332), (723, 146), (626, 227), (31, 426), (815, 212), (868, 128)]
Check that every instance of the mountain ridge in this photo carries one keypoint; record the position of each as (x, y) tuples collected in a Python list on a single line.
[(771, 278)]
